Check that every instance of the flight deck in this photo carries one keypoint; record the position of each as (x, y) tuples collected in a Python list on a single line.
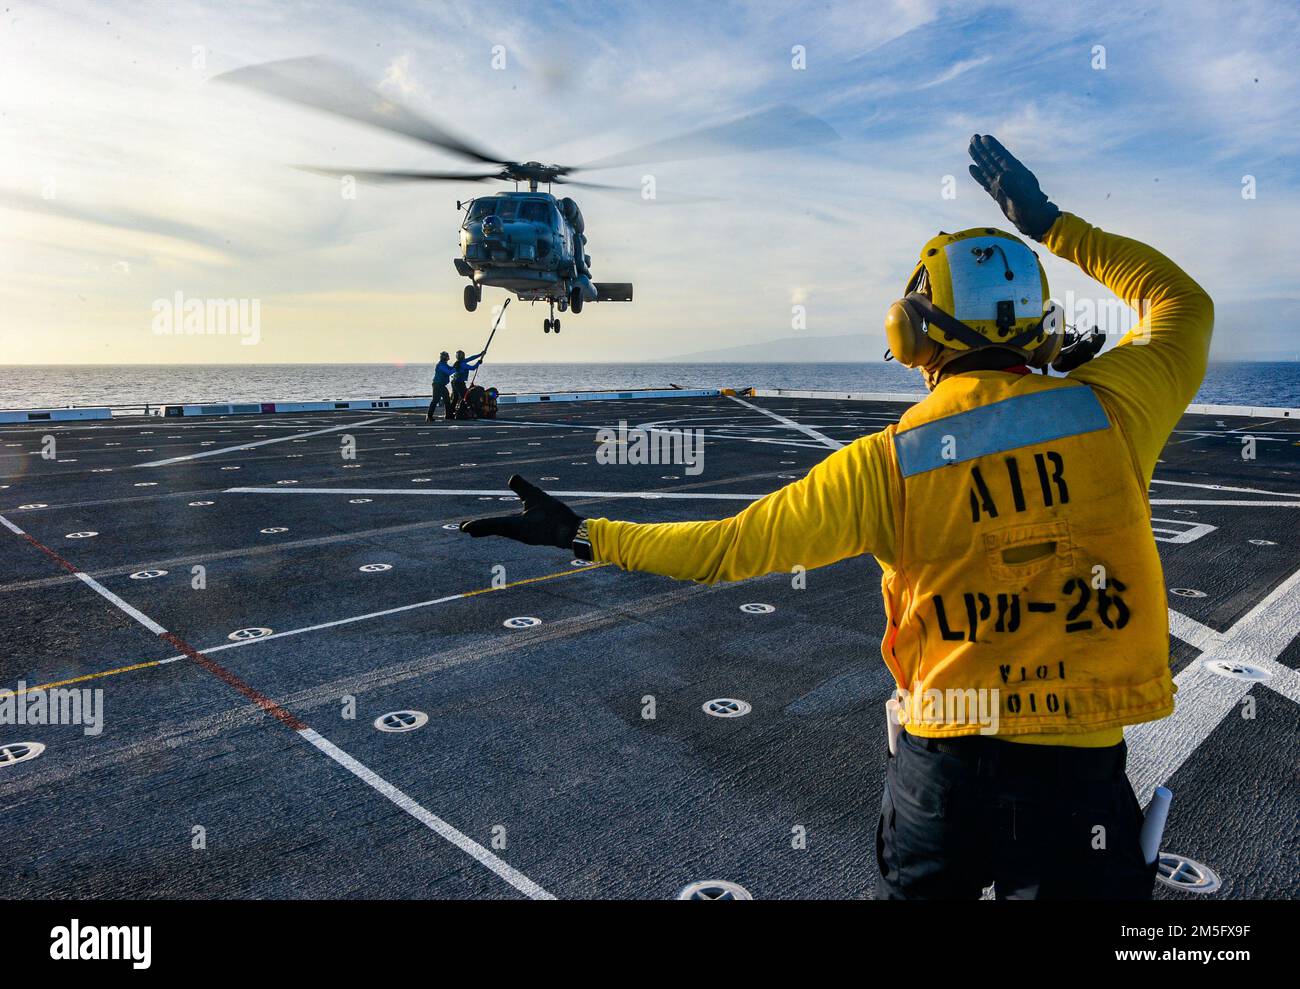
[(314, 686)]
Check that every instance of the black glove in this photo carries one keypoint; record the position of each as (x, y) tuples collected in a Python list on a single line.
[(545, 521), (1013, 186), (1078, 349)]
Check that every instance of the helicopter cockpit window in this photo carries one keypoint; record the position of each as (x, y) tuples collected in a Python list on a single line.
[(534, 211), (480, 209)]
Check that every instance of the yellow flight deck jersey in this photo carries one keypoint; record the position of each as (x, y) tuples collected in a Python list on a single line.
[(1009, 514)]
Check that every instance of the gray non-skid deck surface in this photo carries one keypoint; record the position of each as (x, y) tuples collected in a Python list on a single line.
[(535, 735)]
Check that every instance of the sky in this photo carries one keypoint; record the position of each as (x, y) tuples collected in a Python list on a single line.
[(127, 175)]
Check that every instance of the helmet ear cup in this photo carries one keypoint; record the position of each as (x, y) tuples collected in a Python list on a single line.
[(1053, 337), (905, 334)]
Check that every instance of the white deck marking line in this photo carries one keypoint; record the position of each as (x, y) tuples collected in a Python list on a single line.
[(821, 438), (1157, 749), (104, 592), (381, 786), (431, 821), (273, 439), (502, 492), (338, 621), (1224, 487), (1225, 504)]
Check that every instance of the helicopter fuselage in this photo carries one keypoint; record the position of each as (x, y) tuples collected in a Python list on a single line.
[(533, 245)]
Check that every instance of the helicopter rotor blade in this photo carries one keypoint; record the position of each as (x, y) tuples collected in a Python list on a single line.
[(383, 176), (666, 199), (777, 127), (322, 84)]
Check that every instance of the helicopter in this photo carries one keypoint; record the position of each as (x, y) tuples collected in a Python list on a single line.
[(528, 242)]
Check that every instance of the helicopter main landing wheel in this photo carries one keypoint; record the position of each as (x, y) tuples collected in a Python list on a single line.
[(575, 301), (472, 295)]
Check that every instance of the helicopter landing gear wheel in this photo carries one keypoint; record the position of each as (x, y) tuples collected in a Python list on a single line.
[(555, 325), (546, 326), (472, 295), (575, 301)]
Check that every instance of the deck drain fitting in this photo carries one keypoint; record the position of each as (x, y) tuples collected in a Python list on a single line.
[(1236, 671), (714, 889), (1187, 592), (398, 721), (521, 621), (726, 707), (755, 608), (15, 752), (240, 634), (1188, 875)]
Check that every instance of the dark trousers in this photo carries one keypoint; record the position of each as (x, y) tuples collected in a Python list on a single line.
[(1037, 821), (458, 389), (440, 395)]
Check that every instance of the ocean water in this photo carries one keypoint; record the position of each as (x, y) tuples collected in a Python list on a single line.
[(45, 386)]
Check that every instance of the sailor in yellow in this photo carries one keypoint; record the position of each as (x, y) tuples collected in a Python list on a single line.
[(1026, 608)]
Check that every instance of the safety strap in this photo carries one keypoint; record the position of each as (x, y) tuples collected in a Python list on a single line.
[(966, 334)]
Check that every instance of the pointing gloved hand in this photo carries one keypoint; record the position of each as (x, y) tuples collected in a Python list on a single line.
[(1013, 186), (545, 521), (1078, 349)]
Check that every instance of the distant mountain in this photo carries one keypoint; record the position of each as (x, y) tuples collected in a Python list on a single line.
[(854, 347)]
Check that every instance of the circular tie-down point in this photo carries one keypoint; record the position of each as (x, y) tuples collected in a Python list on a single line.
[(230, 468), (14, 752), (375, 567), (35, 504), (396, 721), (755, 608), (286, 482), (272, 530), (452, 526), (469, 465), (421, 480), (81, 535), (1262, 542), (581, 563), (1236, 671), (714, 889), (240, 634), (199, 504), (145, 484), (726, 707), (148, 574), (351, 466), (1188, 875), (786, 477), (550, 478), (1187, 592), (521, 621), (360, 501)]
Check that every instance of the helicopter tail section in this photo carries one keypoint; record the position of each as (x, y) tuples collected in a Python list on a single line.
[(613, 291)]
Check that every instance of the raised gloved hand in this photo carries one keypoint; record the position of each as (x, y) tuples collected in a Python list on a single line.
[(1078, 349), (1013, 186), (545, 521)]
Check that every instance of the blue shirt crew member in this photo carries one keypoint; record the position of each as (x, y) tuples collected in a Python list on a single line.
[(441, 375)]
